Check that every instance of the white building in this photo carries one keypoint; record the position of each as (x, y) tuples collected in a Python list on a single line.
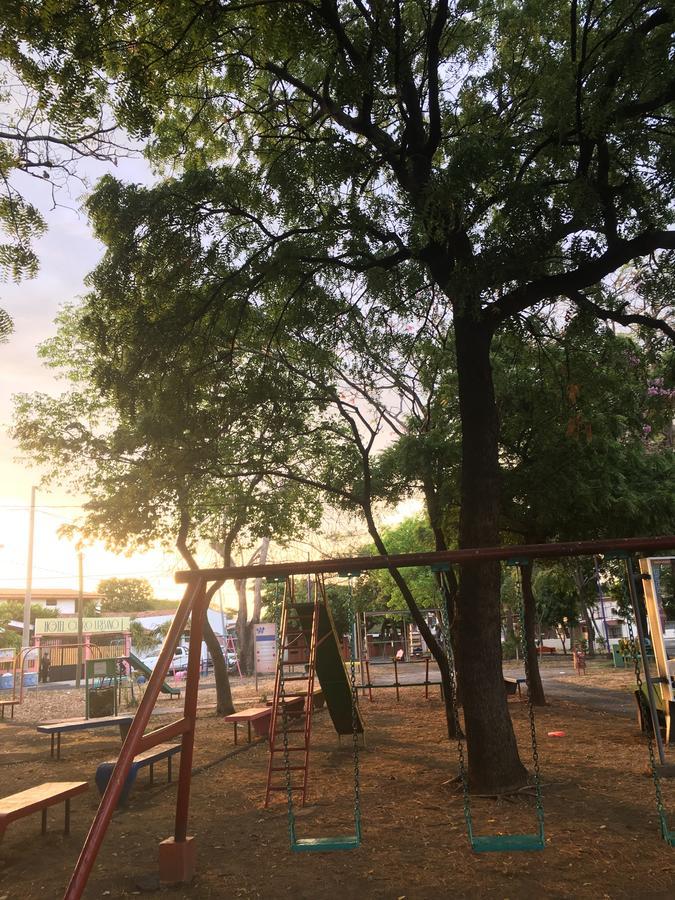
[(62, 600)]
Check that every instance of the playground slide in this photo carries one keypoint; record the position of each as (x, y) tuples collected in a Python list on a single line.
[(330, 669), (146, 670)]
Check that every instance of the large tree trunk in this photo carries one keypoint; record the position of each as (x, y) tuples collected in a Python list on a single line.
[(494, 764), (244, 631), (534, 685), (435, 648), (246, 625), (224, 703)]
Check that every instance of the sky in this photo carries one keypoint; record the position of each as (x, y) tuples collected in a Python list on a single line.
[(67, 253)]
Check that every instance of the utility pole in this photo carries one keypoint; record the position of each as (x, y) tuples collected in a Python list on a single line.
[(25, 638), (80, 605)]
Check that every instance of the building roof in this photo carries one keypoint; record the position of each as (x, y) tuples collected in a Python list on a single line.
[(46, 594)]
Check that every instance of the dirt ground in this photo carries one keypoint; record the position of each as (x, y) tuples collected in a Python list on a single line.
[(601, 824)]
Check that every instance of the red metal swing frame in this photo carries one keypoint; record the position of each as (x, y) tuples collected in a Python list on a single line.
[(194, 604)]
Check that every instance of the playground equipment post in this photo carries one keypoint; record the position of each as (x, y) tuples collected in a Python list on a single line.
[(25, 637)]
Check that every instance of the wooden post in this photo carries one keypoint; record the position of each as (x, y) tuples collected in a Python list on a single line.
[(190, 713), (130, 747)]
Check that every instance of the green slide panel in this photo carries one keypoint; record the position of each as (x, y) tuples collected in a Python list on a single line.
[(140, 666), (330, 668)]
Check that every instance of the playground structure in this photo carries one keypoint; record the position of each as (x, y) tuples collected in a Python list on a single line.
[(177, 854), (307, 636), (657, 691)]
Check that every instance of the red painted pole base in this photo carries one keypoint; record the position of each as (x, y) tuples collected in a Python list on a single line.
[(177, 860)]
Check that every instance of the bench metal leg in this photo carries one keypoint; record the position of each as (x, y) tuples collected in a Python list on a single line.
[(168, 767), (152, 774), (58, 745), (44, 820), (66, 820), (235, 732), (249, 732), (52, 748)]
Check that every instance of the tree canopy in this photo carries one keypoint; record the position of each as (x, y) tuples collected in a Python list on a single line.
[(426, 172), (126, 594)]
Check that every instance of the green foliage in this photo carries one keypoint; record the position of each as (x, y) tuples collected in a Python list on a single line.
[(376, 589), (557, 597), (12, 610), (583, 434), (143, 640), (126, 594)]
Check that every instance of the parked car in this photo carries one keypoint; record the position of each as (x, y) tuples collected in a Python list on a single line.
[(178, 663), (180, 660)]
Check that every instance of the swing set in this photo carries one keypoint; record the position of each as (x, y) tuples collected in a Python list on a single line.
[(177, 854), (307, 630)]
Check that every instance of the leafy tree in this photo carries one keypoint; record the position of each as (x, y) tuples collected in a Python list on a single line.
[(126, 594), (45, 134), (143, 640), (558, 600), (376, 589), (156, 461), (498, 155), (12, 611)]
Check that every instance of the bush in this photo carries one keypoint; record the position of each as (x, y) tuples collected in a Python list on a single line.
[(510, 648)]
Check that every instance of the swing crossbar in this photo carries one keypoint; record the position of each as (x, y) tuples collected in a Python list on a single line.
[(508, 843)]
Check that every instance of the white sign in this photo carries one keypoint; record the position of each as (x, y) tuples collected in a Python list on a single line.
[(266, 648), (102, 625)]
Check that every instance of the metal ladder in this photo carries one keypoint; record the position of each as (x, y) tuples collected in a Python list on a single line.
[(287, 721)]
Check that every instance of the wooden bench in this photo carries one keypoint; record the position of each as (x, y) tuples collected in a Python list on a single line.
[(513, 686), (317, 697), (147, 758), (258, 715), (16, 806), (541, 649), (10, 703), (56, 728)]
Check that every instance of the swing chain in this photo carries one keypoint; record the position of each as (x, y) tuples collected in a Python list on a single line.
[(283, 626), (355, 700), (530, 705), (660, 806), (445, 625)]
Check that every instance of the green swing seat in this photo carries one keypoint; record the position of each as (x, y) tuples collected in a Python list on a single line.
[(325, 844), (343, 841), (508, 843), (495, 843)]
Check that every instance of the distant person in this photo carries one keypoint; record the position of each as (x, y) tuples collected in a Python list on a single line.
[(45, 666)]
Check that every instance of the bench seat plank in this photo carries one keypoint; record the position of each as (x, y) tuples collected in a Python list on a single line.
[(82, 724), (248, 715), (148, 758), (259, 715), (39, 797), (11, 704), (57, 728)]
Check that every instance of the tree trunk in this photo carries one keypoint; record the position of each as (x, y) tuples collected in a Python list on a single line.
[(224, 704), (244, 631), (435, 648), (534, 685), (494, 763)]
